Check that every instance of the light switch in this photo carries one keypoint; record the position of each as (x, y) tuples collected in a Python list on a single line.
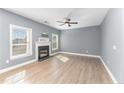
[(114, 47), (7, 61)]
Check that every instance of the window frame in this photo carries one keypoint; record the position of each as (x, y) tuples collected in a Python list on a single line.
[(29, 39), (57, 38)]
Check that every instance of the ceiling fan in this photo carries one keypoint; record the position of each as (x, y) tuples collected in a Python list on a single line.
[(67, 21)]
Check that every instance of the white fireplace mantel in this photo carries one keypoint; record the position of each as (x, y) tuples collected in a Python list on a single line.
[(43, 43)]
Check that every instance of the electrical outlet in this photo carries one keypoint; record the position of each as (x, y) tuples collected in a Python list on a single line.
[(114, 47), (7, 61), (87, 52)]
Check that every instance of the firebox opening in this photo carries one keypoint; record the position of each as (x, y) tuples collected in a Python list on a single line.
[(43, 52)]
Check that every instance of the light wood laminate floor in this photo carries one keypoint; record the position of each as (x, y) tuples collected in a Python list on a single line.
[(60, 69)]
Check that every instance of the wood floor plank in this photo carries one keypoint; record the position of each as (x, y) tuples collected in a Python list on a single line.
[(60, 69)]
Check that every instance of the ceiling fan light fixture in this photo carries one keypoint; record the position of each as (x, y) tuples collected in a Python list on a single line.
[(67, 21)]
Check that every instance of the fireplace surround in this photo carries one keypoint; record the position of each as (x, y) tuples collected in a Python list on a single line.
[(43, 50)]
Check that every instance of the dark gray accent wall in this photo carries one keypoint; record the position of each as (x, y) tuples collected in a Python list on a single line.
[(80, 40), (7, 18), (113, 35)]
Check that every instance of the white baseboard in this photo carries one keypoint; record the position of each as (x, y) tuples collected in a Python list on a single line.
[(109, 72), (20, 65), (55, 53), (16, 66), (79, 54)]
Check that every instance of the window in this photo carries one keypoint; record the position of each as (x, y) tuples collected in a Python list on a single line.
[(20, 41), (54, 41)]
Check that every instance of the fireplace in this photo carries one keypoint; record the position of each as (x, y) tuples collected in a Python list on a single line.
[(43, 49), (43, 52)]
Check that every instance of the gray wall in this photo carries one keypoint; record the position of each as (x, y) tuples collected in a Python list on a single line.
[(80, 40), (112, 34), (97, 40), (7, 18)]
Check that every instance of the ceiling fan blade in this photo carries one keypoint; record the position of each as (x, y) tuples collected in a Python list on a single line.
[(73, 22), (69, 25), (60, 22)]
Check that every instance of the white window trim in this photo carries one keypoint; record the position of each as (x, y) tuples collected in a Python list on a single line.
[(21, 55), (57, 36)]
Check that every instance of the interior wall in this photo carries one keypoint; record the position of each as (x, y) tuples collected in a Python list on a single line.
[(7, 18), (96, 40), (81, 40), (112, 43)]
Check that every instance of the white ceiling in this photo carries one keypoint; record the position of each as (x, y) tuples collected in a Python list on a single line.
[(84, 16)]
